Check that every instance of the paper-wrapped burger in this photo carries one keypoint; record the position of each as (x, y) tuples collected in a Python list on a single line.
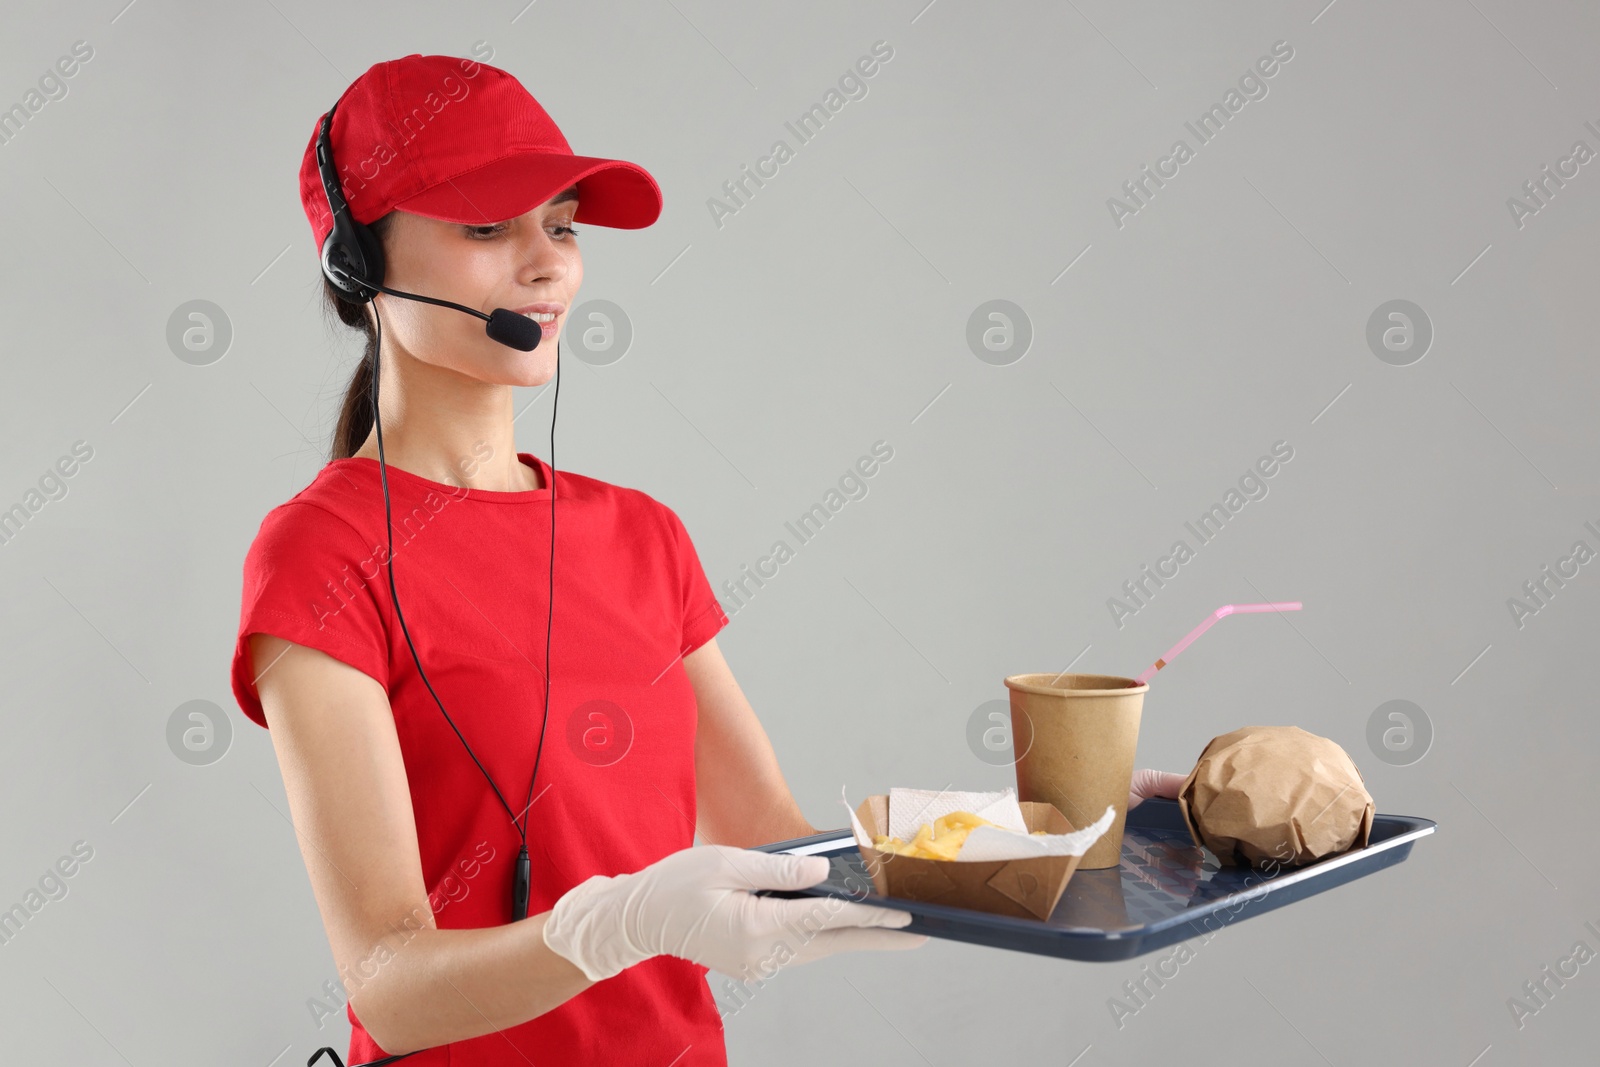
[(1003, 857), (1265, 795)]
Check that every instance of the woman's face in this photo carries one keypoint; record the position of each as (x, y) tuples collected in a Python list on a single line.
[(527, 263)]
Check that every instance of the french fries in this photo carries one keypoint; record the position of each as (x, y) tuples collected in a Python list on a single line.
[(939, 840)]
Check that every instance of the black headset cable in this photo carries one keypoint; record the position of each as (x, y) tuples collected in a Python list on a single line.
[(523, 870)]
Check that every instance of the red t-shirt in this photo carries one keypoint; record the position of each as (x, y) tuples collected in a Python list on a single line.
[(616, 783)]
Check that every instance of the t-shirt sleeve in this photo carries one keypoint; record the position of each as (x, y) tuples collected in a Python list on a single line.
[(702, 615), (309, 578)]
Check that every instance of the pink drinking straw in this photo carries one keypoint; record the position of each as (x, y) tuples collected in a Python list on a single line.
[(1210, 621)]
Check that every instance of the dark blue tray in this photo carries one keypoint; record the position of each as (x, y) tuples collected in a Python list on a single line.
[(1167, 889)]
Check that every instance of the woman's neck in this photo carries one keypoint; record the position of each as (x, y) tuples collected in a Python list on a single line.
[(458, 433)]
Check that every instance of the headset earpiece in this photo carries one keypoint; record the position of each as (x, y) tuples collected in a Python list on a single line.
[(351, 249)]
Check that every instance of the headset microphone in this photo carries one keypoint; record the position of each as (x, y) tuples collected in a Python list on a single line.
[(517, 331), (504, 325)]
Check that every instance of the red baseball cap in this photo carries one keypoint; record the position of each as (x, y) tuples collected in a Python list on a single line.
[(461, 141)]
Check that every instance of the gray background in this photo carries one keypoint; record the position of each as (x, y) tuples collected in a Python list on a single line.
[(768, 355)]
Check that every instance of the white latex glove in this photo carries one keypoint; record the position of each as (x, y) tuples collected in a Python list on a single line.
[(696, 904), (1148, 784)]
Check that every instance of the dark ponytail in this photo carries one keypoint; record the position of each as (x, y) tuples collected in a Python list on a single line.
[(355, 414)]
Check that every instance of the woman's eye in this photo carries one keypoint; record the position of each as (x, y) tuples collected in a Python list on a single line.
[(481, 233)]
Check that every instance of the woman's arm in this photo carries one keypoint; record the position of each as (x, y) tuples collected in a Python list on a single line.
[(335, 737), (740, 793)]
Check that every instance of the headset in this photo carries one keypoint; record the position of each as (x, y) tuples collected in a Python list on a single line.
[(352, 260)]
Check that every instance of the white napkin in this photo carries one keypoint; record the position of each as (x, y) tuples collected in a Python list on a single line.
[(910, 808)]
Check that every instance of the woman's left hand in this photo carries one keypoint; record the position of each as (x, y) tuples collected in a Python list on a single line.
[(1148, 784)]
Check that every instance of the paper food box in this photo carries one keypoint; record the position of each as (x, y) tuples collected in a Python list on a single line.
[(1008, 870)]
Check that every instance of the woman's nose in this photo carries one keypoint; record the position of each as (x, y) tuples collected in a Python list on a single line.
[(542, 259)]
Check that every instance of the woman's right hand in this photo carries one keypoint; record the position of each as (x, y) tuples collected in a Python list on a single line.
[(698, 904)]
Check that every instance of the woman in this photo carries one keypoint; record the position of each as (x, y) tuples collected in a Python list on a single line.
[(411, 831), (412, 731)]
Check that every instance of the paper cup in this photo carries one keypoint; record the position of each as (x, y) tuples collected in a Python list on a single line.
[(1076, 735)]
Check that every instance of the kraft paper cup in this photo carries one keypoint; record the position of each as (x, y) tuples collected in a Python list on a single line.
[(1077, 734)]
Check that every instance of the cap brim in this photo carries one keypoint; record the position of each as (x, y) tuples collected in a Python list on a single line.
[(611, 192)]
